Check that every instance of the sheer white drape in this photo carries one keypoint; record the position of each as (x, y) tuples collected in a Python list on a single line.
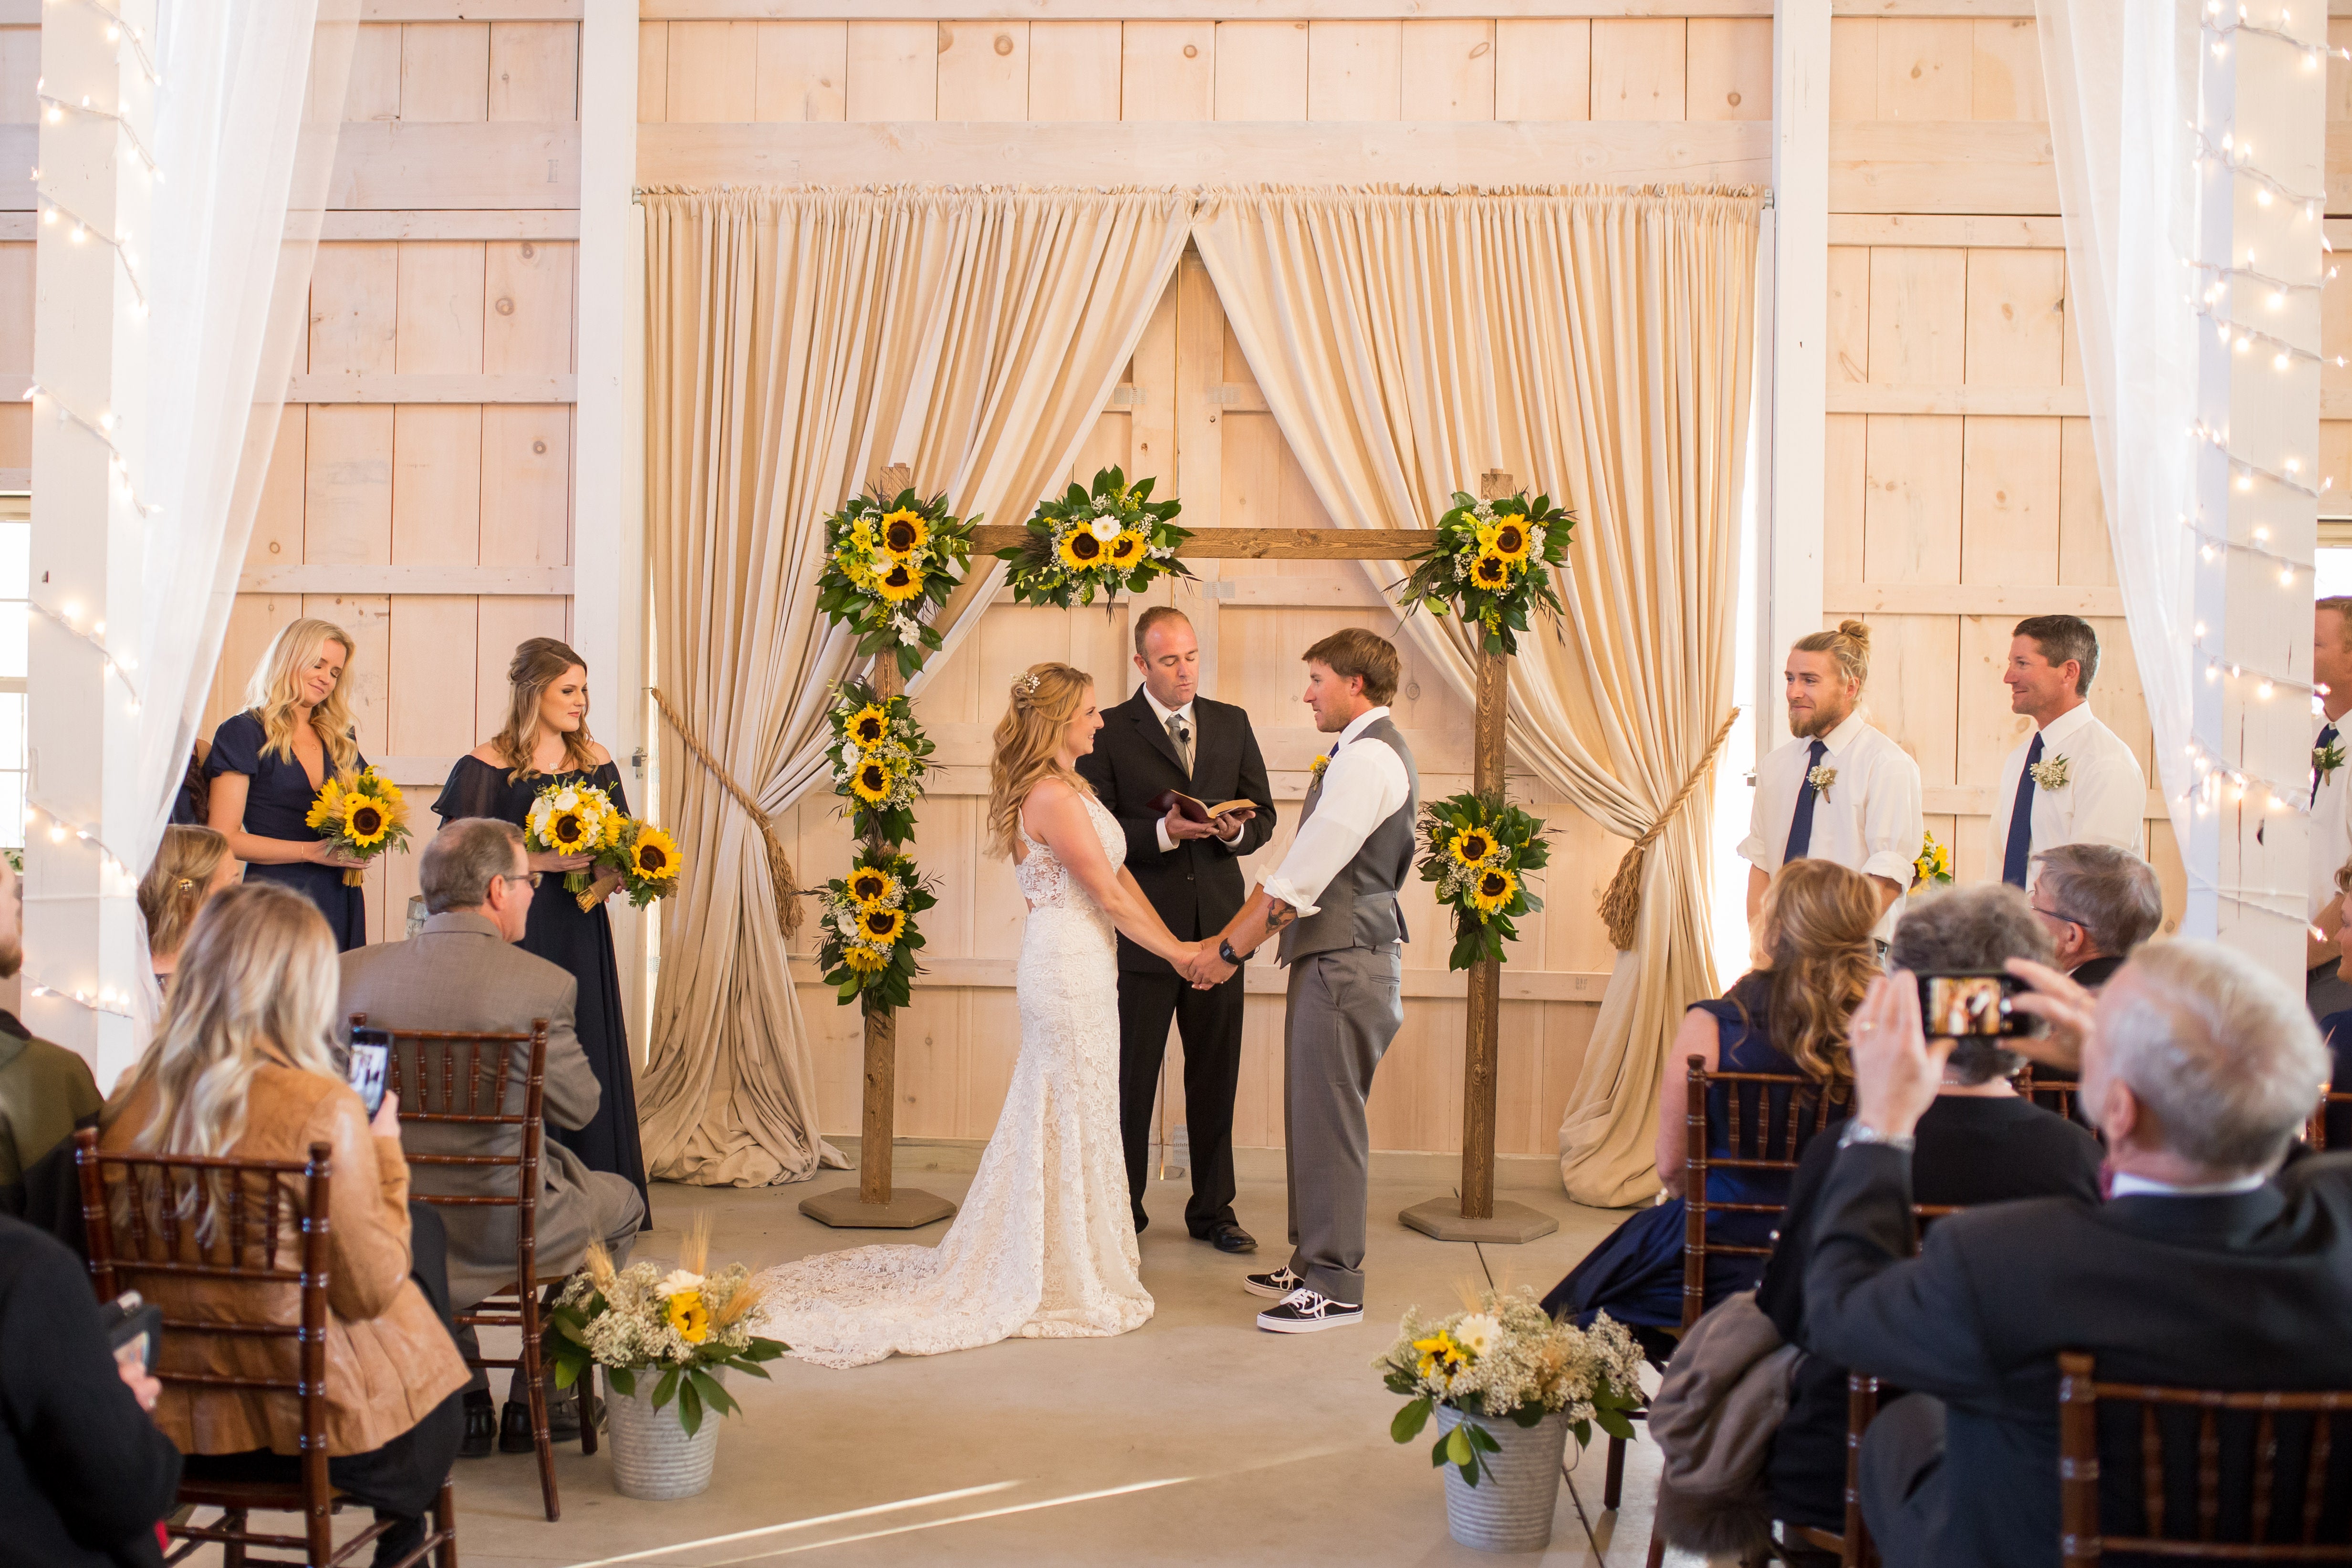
[(2121, 77)]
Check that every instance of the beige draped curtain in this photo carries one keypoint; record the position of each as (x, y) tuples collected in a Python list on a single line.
[(1596, 344), (798, 341)]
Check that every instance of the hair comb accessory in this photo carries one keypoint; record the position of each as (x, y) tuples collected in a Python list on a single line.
[(184, 885), (1028, 685)]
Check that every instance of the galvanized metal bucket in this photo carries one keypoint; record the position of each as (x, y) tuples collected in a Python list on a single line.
[(653, 1457), (1511, 1507)]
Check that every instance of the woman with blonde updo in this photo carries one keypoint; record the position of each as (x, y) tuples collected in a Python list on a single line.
[(1814, 958), (191, 865), (1045, 1247)]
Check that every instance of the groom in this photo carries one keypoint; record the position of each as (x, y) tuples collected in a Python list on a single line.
[(1334, 901)]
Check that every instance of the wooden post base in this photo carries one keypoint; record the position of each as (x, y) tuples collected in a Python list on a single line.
[(904, 1209), (1511, 1225)]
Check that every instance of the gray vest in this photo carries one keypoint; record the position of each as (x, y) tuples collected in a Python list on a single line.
[(1359, 908)]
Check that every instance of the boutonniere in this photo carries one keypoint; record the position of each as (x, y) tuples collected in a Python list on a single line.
[(2050, 775), (1933, 864), (1315, 768), (2325, 759), (1821, 778)]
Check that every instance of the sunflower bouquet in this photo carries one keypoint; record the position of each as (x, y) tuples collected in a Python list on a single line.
[(1933, 866), (869, 920), (887, 563), (683, 1324), (1096, 541), (364, 816), (646, 858), (1485, 566), (1504, 1358), (1479, 856), (878, 753), (572, 819)]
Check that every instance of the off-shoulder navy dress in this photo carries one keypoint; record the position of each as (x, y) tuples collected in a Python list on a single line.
[(277, 797), (582, 944)]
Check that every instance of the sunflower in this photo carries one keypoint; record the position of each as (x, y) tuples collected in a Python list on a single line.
[(869, 724), (572, 831), (904, 532), (690, 1317), (328, 806), (899, 584), (1126, 549), (1490, 570), (655, 854), (865, 959), (880, 926), (1511, 539), (365, 822), (870, 886), (1473, 847), (1493, 889), (871, 781), (1080, 550)]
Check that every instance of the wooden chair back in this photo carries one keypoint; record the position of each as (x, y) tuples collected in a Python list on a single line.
[(2283, 1446), (1757, 1137), (2048, 1090), (2334, 1105)]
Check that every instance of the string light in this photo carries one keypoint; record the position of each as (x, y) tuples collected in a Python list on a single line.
[(2246, 335), (115, 27), (62, 828), (103, 429), (60, 109), (107, 1000), (2247, 471), (52, 209), (2278, 285), (119, 664)]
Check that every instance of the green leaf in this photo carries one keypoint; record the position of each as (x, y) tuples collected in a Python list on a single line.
[(1410, 1420), (689, 1407), (567, 1371), (1480, 1439), (1437, 1454), (624, 1380), (1457, 1444), (714, 1394), (1614, 1423), (666, 1388), (1528, 1416)]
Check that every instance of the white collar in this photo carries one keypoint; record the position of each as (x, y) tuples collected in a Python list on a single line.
[(1165, 714), (2125, 1185), (2321, 721), (2067, 724), (1357, 726), (1848, 730)]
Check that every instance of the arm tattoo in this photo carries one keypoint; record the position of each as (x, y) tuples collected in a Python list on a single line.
[(1278, 914)]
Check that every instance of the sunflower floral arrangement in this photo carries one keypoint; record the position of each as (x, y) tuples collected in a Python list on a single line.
[(366, 816), (887, 564), (878, 753), (1504, 1358), (1479, 856), (646, 858), (572, 819), (1933, 866), (681, 1324), (1094, 541), (1487, 565), (868, 920)]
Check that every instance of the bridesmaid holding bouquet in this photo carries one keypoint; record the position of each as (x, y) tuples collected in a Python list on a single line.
[(545, 742)]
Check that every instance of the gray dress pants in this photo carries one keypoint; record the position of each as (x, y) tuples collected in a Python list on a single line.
[(1344, 1008), (1902, 1478)]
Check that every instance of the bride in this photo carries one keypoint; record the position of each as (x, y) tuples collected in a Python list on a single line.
[(1044, 1246)]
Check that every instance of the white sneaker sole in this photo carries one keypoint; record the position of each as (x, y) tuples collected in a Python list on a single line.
[(1273, 1324), (1271, 1293)]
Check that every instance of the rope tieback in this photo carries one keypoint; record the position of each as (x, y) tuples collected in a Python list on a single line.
[(1621, 906), (780, 869)]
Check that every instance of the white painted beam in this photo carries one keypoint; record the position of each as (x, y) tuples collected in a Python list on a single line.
[(1790, 513)]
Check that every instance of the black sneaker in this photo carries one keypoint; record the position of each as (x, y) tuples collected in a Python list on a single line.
[(1306, 1312), (1275, 1286)]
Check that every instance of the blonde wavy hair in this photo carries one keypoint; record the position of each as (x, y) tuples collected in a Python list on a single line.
[(1042, 703), (538, 665), (172, 891), (256, 987), (276, 689), (1813, 942)]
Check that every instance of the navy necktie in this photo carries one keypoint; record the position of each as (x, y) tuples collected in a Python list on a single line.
[(2021, 820), (2326, 738), (1801, 826)]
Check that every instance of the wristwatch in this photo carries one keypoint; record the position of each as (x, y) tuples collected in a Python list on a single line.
[(1858, 1131), (1225, 951)]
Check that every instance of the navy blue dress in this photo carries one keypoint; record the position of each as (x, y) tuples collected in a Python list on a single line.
[(1636, 1275), (580, 943), (2337, 1029), (276, 799)]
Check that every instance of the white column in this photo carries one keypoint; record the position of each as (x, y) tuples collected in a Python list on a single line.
[(608, 491), (2262, 113), (1790, 513), (89, 437)]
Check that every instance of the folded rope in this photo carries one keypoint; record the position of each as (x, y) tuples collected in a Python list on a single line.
[(780, 869), (1621, 906)]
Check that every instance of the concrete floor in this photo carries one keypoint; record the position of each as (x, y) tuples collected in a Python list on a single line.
[(1197, 1440)]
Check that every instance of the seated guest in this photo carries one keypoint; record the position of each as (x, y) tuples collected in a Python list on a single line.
[(2336, 1029), (2201, 1268), (2099, 903), (191, 865), (84, 1474), (463, 972), (1815, 955), (46, 1092), (242, 1066), (1978, 1142)]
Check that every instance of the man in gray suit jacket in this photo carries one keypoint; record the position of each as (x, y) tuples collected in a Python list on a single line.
[(463, 972)]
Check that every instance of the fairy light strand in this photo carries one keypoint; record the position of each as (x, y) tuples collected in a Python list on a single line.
[(2244, 334), (52, 209), (58, 109), (2276, 284), (116, 27), (107, 1000), (120, 664), (2237, 161), (62, 827), (101, 429)]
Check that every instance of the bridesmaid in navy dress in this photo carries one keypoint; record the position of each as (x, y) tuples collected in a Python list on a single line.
[(269, 762), (546, 739)]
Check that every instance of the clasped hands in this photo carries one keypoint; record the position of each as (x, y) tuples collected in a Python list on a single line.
[(1200, 964), (1897, 1070)]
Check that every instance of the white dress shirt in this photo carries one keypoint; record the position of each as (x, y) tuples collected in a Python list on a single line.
[(2105, 799), (2331, 823), (1363, 786), (1193, 729), (1869, 821), (2125, 1185)]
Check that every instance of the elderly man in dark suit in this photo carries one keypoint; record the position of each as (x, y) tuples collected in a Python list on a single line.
[(463, 972), (1167, 736), (2203, 1266)]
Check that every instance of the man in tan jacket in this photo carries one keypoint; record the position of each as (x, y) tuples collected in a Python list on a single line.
[(462, 972)]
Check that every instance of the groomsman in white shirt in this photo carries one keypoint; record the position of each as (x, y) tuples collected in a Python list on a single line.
[(2331, 791), (1842, 791), (2074, 781)]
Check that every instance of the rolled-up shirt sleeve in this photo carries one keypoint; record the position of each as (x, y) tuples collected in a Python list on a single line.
[(1893, 827), (1362, 787)]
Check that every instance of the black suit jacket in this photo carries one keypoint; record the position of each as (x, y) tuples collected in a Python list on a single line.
[(2092, 973), (2246, 1291), (1197, 886)]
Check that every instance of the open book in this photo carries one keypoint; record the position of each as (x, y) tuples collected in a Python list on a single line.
[(1169, 801)]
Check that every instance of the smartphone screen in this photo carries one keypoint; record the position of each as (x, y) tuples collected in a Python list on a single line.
[(1968, 1005), (371, 1060)]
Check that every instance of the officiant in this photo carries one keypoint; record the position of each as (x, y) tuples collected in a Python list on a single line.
[(1167, 738)]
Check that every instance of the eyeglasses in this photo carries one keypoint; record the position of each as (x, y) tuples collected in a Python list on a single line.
[(2061, 916), (529, 876)]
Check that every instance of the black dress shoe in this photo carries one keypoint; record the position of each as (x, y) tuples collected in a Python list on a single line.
[(562, 1422), (1230, 1237), (481, 1425)]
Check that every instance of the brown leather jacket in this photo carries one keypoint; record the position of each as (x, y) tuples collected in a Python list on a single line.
[(389, 1358)]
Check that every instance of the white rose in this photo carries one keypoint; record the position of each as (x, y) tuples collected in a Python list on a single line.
[(1104, 529), (1477, 1332), (677, 1281), (567, 800)]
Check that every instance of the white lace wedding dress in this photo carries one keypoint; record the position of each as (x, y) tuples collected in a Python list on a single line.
[(1044, 1247)]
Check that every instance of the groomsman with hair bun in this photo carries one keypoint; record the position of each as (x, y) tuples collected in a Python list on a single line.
[(2331, 788), (2073, 781), (1843, 790)]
